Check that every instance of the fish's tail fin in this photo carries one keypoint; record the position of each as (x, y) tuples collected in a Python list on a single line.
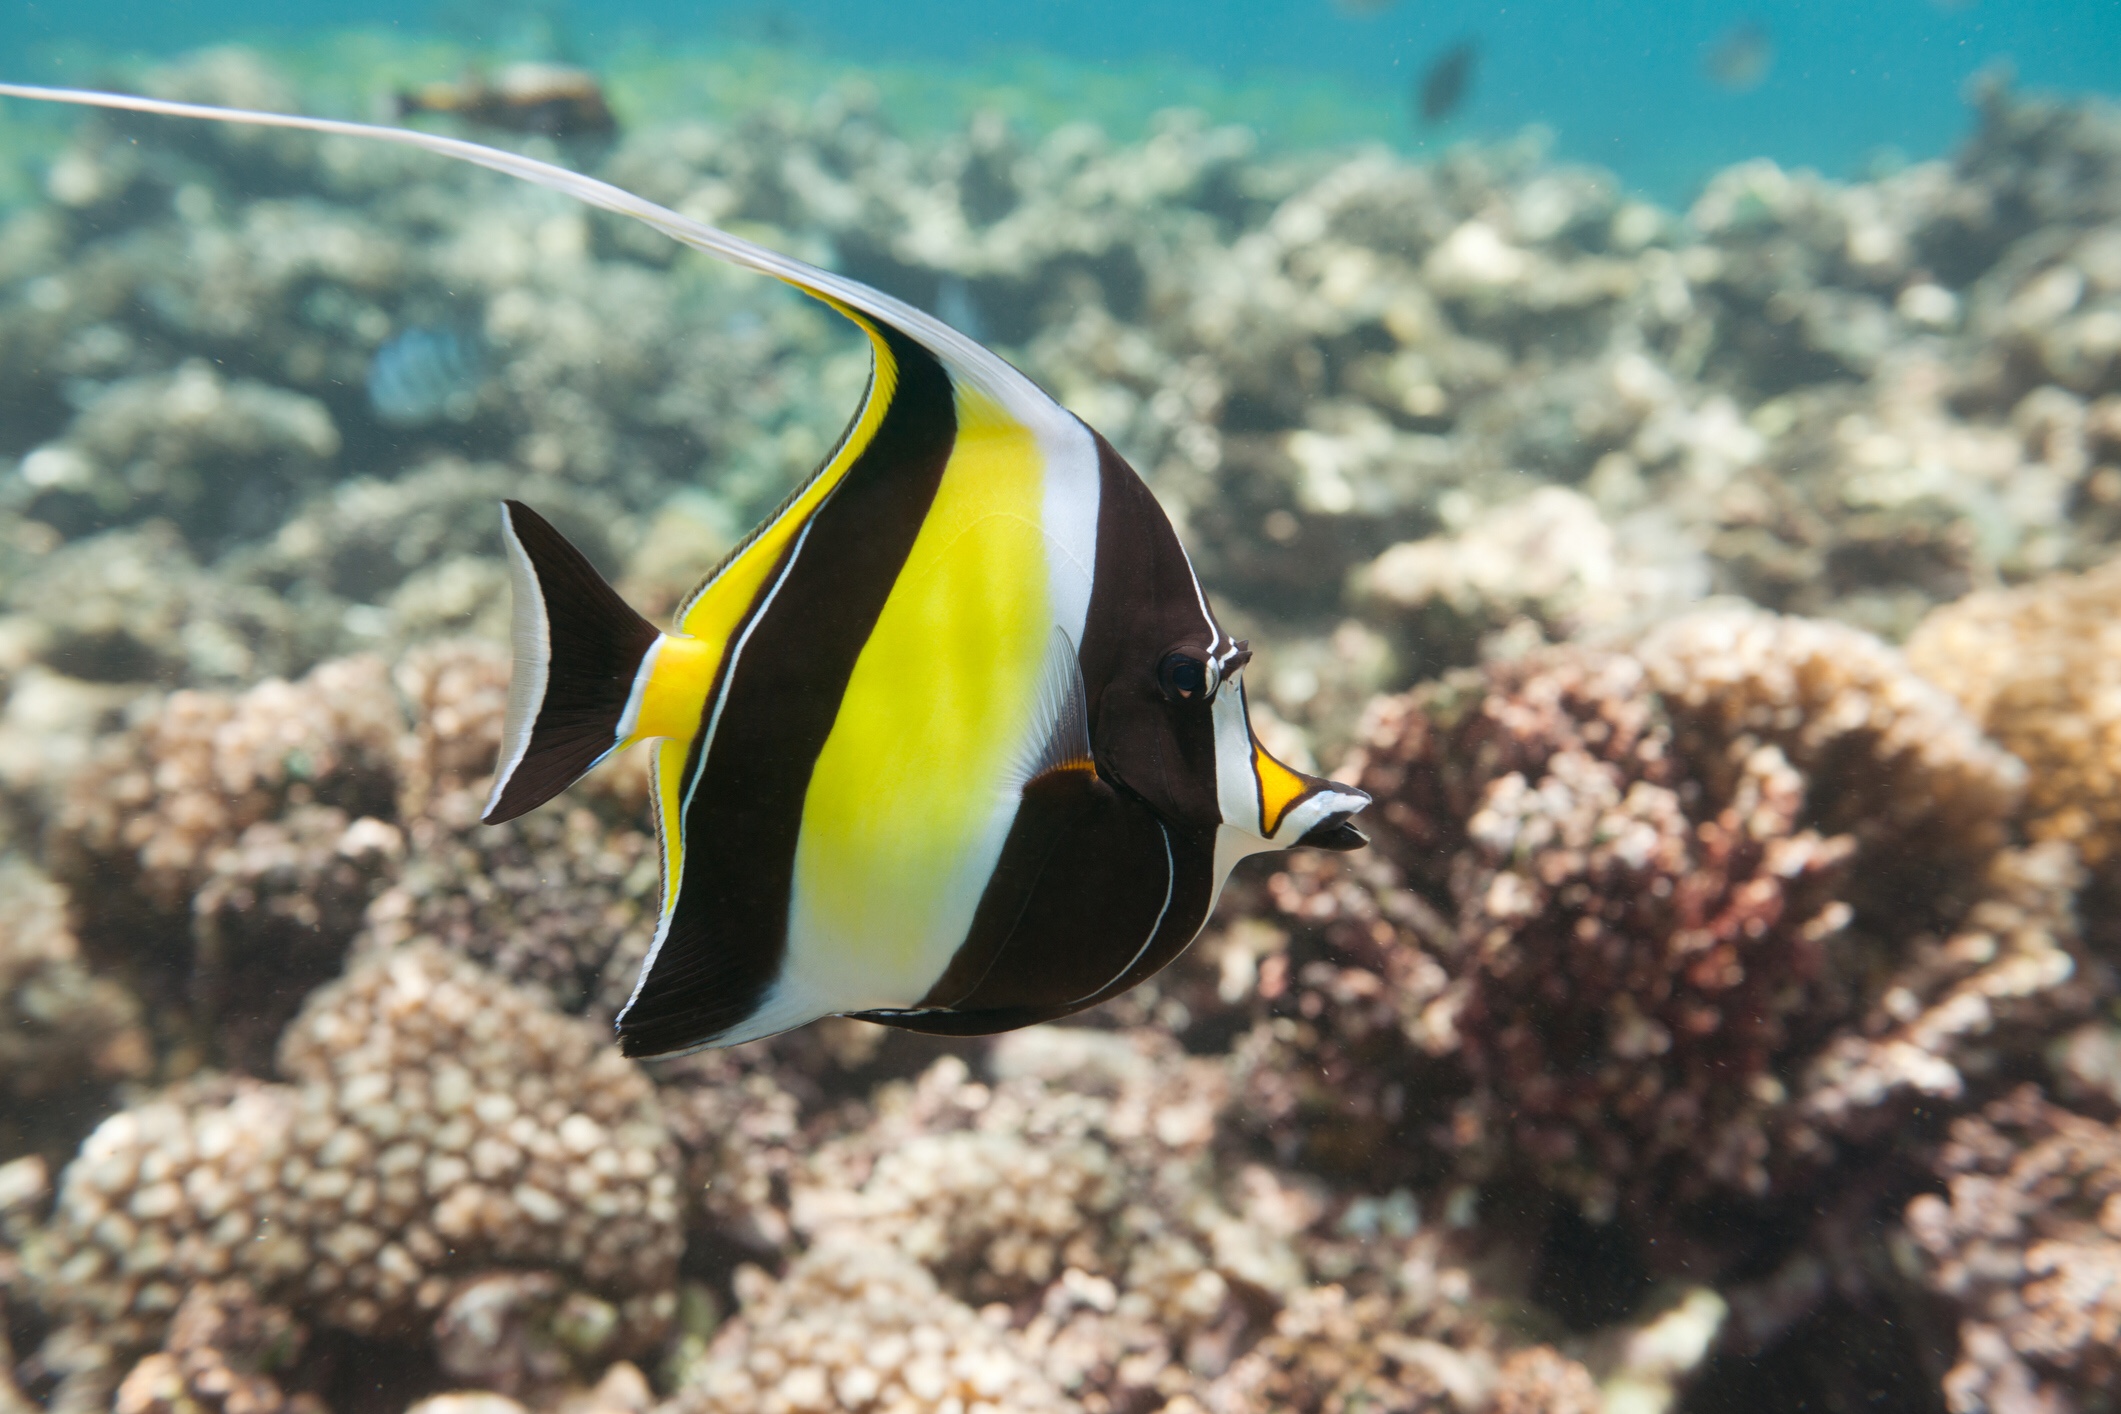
[(579, 650)]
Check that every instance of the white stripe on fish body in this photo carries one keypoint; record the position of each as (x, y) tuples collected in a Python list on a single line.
[(908, 810), (1237, 787), (1074, 490)]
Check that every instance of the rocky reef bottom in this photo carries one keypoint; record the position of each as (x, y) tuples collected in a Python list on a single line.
[(1719, 1020), (1720, 607)]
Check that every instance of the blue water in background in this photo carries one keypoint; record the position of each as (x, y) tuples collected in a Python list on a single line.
[(1619, 84)]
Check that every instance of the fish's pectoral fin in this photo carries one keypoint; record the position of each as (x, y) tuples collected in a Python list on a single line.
[(578, 651), (1058, 737)]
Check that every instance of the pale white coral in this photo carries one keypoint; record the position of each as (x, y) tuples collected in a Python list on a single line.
[(857, 1327), (157, 802), (1549, 557)]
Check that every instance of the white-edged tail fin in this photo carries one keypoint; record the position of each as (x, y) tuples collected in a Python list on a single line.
[(579, 650)]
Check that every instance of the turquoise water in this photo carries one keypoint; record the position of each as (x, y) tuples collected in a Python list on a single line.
[(1622, 85)]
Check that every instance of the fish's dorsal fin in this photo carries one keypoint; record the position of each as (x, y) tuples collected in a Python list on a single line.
[(967, 360), (1058, 736)]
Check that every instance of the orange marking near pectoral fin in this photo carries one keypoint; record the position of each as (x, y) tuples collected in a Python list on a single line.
[(1279, 788)]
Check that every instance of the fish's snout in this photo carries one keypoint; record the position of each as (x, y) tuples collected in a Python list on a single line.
[(1336, 832)]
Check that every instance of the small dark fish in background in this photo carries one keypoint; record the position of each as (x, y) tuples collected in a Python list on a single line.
[(1740, 60), (1447, 80), (769, 26), (425, 373), (551, 100)]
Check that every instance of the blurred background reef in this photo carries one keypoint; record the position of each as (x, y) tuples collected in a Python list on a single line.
[(1717, 597)]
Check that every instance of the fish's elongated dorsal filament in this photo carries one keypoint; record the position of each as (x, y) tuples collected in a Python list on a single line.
[(965, 358)]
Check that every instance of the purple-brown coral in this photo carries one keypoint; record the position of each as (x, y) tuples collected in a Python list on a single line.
[(1637, 927), (1627, 949), (2025, 1242)]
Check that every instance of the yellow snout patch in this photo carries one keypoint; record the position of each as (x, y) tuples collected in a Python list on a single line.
[(1279, 788)]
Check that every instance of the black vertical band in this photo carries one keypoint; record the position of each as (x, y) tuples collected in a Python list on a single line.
[(727, 935)]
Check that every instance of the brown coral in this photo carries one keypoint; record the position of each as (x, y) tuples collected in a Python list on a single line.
[(1078, 1187), (2039, 667), (62, 1029), (440, 1123), (143, 821), (857, 1327), (1626, 950), (2026, 1243), (1885, 757), (220, 1357), (1329, 1354), (1334, 1352), (1673, 920), (230, 836)]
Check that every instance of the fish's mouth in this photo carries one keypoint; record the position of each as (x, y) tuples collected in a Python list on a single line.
[(1335, 832)]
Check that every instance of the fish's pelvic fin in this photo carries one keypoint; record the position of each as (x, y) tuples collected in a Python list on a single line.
[(579, 651)]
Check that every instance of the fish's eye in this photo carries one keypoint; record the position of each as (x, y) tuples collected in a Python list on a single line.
[(1183, 677)]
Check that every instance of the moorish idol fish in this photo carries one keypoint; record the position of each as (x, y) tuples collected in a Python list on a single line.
[(953, 742)]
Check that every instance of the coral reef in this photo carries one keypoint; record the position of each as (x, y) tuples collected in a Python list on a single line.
[(859, 1328), (2035, 667), (1548, 561), (438, 1124), (229, 849), (563, 899), (1696, 940), (1658, 924), (2026, 1244), (1330, 1353), (63, 1030), (221, 852), (220, 1355)]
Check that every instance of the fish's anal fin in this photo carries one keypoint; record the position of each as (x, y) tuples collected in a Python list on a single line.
[(579, 650), (1058, 738)]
